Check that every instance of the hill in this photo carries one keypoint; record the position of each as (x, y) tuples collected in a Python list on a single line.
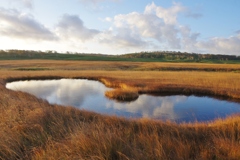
[(156, 56)]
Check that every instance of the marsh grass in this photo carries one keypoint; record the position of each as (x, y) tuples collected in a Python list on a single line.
[(57, 132), (118, 66), (122, 95), (34, 129)]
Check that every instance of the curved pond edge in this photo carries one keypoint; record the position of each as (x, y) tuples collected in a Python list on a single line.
[(124, 92)]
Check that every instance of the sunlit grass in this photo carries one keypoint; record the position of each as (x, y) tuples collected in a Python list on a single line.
[(34, 129), (122, 94)]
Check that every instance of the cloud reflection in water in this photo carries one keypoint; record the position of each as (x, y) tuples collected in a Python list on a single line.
[(89, 95), (151, 106), (64, 91)]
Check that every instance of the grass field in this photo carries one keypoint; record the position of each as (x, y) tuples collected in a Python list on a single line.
[(34, 129)]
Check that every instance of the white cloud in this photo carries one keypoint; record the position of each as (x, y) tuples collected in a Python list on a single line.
[(169, 15), (189, 39), (146, 30), (23, 26), (122, 39), (108, 19), (72, 27), (218, 45), (125, 32), (156, 28)]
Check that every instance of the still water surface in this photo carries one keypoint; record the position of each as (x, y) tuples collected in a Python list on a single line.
[(89, 95)]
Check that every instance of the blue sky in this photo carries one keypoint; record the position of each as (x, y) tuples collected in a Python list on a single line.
[(121, 26)]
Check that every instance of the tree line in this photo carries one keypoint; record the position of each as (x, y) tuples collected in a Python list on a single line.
[(176, 55), (154, 56)]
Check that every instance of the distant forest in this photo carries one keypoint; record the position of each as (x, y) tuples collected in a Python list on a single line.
[(155, 56), (176, 55)]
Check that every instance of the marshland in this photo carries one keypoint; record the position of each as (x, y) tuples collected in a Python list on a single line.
[(32, 128)]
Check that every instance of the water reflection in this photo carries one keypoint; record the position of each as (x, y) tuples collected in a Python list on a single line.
[(65, 91), (89, 95), (151, 107)]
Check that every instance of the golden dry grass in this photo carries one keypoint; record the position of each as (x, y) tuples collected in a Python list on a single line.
[(34, 129), (122, 94), (99, 65)]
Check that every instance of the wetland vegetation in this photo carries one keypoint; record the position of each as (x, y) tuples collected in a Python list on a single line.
[(155, 56), (32, 128)]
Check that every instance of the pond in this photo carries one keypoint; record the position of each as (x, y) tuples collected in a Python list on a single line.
[(89, 95)]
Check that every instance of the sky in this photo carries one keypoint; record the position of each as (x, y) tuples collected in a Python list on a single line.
[(121, 26)]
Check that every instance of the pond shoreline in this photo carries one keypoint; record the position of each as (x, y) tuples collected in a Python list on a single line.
[(33, 129), (95, 96), (123, 91)]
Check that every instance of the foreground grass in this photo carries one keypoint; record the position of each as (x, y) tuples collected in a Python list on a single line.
[(34, 129)]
